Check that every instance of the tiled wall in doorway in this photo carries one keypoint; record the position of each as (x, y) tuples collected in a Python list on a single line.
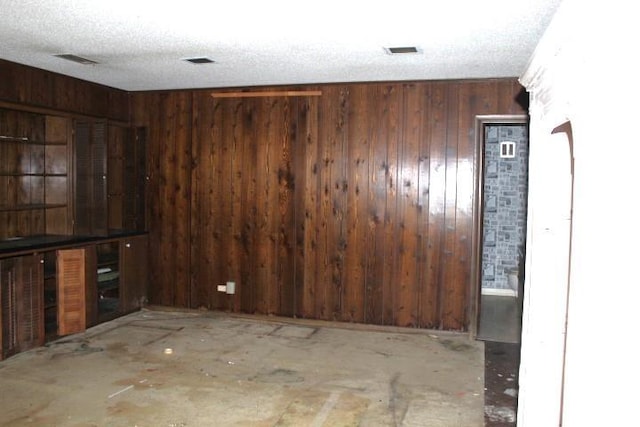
[(505, 205)]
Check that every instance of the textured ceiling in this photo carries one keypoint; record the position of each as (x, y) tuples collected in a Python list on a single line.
[(142, 44)]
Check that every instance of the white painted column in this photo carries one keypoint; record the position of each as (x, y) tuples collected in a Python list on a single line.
[(546, 277), (584, 70)]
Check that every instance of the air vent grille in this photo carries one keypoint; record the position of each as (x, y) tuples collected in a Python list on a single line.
[(200, 60), (401, 49), (76, 58)]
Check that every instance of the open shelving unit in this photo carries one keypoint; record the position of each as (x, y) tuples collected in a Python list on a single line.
[(34, 174), (108, 279)]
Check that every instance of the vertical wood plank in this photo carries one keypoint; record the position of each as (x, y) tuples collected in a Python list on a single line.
[(237, 181), (319, 215), (261, 247), (249, 206), (148, 107), (275, 133), (421, 113), (286, 240), (376, 214), (406, 310), (331, 196), (449, 289), (305, 158), (431, 315), (221, 205), (390, 128), (182, 189), (357, 190), (203, 119), (311, 293), (166, 199)]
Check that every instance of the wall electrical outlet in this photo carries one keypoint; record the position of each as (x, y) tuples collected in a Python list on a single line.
[(222, 288), (231, 288)]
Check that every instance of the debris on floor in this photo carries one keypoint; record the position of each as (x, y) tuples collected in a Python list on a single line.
[(502, 362), (500, 414), (150, 367)]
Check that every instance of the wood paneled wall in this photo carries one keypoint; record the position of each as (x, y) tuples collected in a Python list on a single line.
[(35, 88), (356, 205)]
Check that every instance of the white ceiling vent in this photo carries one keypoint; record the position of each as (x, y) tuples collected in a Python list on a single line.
[(76, 58)]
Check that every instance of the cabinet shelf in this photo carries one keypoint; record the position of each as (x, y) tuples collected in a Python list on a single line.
[(31, 207), (105, 287), (35, 174), (27, 141), (109, 277), (20, 140)]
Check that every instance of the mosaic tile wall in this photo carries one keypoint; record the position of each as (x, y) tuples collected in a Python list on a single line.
[(505, 205)]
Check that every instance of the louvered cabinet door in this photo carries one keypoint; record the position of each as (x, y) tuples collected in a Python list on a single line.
[(71, 291), (90, 189), (30, 302), (8, 308), (21, 304)]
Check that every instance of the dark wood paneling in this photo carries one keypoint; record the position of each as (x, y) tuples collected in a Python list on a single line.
[(169, 195), (354, 206), (32, 87)]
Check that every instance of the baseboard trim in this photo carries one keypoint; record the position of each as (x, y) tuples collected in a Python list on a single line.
[(500, 292)]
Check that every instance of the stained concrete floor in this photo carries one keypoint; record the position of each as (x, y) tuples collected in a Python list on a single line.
[(162, 368)]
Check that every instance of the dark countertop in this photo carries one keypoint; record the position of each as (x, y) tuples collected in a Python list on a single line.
[(21, 245)]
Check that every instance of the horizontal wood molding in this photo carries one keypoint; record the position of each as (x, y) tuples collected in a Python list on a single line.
[(354, 206), (265, 94)]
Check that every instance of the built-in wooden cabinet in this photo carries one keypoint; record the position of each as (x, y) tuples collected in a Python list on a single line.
[(108, 280), (35, 174), (70, 278), (133, 272), (62, 175), (60, 291), (21, 304), (121, 277), (64, 287), (126, 178), (90, 189), (58, 166), (110, 178), (72, 207)]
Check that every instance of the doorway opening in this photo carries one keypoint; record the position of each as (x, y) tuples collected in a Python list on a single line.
[(501, 227)]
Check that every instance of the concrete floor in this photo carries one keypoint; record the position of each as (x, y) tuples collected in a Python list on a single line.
[(163, 368)]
